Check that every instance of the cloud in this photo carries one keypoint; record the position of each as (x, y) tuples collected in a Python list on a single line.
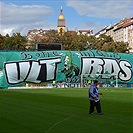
[(16, 18), (102, 8), (91, 25), (92, 14)]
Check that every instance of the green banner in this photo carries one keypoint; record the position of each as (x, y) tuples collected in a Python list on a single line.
[(18, 68)]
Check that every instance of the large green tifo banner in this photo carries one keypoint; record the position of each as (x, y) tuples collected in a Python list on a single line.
[(19, 68)]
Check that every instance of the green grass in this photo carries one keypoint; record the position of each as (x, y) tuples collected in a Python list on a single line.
[(64, 111)]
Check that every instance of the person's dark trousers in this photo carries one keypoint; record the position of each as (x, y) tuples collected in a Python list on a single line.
[(98, 106), (93, 104)]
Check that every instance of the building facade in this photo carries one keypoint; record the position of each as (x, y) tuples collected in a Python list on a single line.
[(121, 31)]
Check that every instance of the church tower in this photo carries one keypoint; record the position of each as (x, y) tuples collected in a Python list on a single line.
[(61, 23)]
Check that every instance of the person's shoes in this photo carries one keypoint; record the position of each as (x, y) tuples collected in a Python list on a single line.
[(91, 113), (101, 113)]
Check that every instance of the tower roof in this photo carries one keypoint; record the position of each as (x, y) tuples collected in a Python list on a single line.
[(61, 16), (61, 19)]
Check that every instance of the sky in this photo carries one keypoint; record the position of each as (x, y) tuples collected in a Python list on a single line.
[(23, 15)]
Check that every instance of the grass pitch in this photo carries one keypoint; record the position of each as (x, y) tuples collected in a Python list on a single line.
[(64, 111)]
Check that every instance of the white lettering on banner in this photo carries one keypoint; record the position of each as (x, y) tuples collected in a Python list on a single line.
[(51, 66), (16, 72), (126, 72), (111, 66), (44, 70), (32, 71), (93, 66), (113, 85)]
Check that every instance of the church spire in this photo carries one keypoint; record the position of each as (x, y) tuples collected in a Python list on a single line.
[(61, 9), (61, 22)]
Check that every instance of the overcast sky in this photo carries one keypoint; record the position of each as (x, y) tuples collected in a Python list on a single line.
[(23, 15)]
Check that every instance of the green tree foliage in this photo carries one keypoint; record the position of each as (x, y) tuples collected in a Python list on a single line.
[(52, 36), (69, 41), (72, 41), (1, 40), (107, 44), (14, 42), (66, 40), (121, 47), (101, 42)]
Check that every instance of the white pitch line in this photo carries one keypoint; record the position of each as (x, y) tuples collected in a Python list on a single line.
[(59, 123)]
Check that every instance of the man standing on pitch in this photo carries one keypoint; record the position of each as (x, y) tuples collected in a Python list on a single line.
[(94, 98)]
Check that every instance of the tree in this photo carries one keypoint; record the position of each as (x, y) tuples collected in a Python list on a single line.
[(1, 41), (101, 42), (15, 42), (65, 40), (18, 41), (6, 44), (122, 47), (107, 44), (52, 36), (72, 41)]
